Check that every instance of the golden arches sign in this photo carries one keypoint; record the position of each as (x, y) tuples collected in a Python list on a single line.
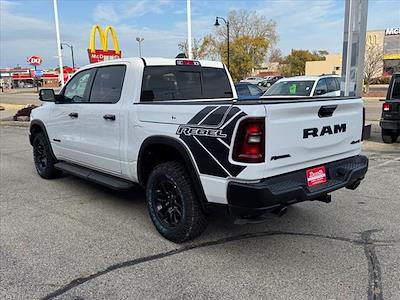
[(96, 55)]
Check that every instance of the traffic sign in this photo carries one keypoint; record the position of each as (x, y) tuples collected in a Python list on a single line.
[(35, 60), (38, 73)]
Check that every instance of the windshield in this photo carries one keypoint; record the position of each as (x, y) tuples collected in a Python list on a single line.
[(291, 88)]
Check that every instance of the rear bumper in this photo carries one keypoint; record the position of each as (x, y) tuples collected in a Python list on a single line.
[(390, 124), (246, 199)]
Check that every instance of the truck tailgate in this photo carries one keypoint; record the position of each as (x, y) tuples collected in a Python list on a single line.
[(305, 134)]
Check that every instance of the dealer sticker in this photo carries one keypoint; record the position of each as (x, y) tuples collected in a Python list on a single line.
[(316, 176)]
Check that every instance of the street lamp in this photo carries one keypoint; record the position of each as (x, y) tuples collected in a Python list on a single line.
[(227, 31), (140, 40), (72, 52)]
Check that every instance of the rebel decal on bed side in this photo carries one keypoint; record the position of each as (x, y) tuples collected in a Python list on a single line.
[(208, 135)]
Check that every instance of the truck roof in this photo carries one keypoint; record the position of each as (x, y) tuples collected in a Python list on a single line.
[(157, 61)]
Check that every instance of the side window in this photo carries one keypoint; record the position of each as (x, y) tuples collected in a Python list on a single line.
[(216, 83), (396, 89), (254, 91), (331, 83), (76, 90), (337, 83), (107, 85), (242, 90), (321, 86)]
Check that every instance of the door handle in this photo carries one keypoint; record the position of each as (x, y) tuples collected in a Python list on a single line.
[(73, 115), (109, 117)]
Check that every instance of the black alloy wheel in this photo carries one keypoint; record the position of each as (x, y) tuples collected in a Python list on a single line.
[(43, 157), (168, 202), (39, 156), (173, 204)]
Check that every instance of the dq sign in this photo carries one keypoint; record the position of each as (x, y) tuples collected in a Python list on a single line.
[(96, 55), (34, 60)]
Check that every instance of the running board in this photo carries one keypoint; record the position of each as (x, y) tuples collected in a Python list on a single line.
[(95, 176)]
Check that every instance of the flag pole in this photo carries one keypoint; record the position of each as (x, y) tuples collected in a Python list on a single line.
[(60, 62), (189, 29)]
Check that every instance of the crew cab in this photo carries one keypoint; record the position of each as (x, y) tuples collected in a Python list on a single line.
[(175, 127), (390, 120)]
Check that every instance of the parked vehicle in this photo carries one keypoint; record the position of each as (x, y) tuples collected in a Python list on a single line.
[(246, 90), (175, 127), (252, 80), (270, 81), (306, 86), (390, 120)]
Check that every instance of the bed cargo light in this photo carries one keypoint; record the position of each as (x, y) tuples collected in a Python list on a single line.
[(187, 62)]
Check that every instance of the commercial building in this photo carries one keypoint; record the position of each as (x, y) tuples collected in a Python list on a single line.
[(331, 65), (386, 42), (20, 77)]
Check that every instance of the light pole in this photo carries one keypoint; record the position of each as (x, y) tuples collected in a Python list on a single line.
[(140, 40), (227, 31), (72, 52)]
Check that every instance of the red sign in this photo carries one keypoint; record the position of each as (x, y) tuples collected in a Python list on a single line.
[(316, 176), (101, 55), (35, 60)]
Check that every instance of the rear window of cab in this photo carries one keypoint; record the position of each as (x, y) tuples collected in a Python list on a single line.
[(161, 83)]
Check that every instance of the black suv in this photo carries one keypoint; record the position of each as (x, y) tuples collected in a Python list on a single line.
[(390, 120)]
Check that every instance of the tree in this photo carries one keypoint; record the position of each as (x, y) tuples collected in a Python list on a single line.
[(250, 34), (276, 56), (373, 64), (183, 47), (296, 61), (201, 48), (246, 53)]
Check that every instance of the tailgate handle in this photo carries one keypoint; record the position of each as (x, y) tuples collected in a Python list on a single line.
[(326, 111)]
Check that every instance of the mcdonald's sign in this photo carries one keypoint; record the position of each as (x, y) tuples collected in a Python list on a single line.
[(96, 55)]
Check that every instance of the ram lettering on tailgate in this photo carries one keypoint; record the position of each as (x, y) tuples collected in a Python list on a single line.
[(315, 132)]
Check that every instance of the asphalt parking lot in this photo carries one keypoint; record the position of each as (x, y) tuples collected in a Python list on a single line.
[(70, 239)]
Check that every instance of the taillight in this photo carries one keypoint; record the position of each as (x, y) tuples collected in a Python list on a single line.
[(363, 124), (387, 106), (250, 141)]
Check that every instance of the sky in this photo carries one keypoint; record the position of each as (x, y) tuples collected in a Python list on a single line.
[(27, 26)]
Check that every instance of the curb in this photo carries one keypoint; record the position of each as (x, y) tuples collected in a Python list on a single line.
[(23, 124)]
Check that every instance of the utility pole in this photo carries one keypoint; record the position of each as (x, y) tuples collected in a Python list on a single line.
[(140, 40), (189, 29), (60, 62), (72, 52), (355, 27), (227, 33)]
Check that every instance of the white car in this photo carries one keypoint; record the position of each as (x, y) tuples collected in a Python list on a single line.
[(253, 80), (306, 86), (176, 127)]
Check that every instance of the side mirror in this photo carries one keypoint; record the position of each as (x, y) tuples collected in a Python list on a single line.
[(320, 92), (47, 95)]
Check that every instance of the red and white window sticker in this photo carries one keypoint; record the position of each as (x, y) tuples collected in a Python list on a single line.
[(316, 176)]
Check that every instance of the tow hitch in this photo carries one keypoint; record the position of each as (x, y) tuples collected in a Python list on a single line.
[(325, 198)]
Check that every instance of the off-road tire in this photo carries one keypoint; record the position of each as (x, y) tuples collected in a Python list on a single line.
[(192, 219), (43, 157), (388, 136)]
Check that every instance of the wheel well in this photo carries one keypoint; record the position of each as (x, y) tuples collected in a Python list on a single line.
[(159, 149), (35, 129), (154, 155)]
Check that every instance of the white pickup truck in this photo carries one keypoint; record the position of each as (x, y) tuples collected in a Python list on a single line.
[(175, 127)]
